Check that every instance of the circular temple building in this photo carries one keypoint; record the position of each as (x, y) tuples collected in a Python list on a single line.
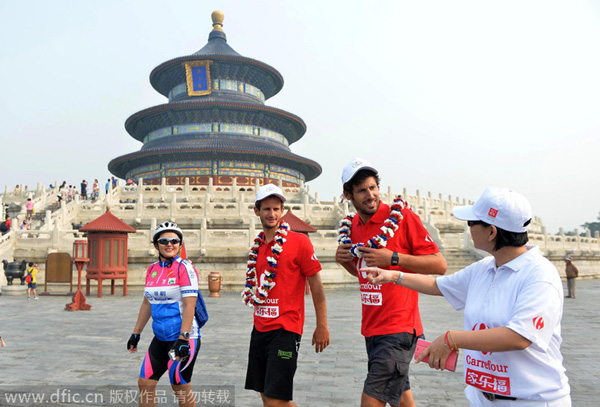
[(216, 124)]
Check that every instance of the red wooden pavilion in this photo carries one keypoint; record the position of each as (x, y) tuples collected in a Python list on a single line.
[(107, 239)]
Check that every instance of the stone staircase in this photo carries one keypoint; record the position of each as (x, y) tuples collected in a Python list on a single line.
[(458, 259)]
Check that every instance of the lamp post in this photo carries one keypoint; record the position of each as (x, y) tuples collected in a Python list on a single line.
[(80, 257)]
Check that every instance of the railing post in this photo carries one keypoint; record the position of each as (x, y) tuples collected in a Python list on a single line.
[(241, 206), (251, 231), (139, 204), (48, 220), (203, 231), (163, 186), (173, 209), (186, 187)]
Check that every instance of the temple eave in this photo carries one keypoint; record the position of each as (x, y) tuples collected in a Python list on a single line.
[(141, 123)]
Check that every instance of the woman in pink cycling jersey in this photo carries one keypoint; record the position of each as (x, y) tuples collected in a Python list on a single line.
[(170, 297)]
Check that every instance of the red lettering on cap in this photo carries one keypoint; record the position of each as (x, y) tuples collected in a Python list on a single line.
[(493, 212)]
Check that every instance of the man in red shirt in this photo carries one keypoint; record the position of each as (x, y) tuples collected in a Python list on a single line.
[(280, 263), (7, 225), (391, 321)]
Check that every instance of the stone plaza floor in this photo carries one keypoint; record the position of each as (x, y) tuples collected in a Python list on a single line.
[(56, 352)]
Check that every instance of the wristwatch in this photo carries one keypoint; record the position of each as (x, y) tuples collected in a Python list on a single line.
[(395, 259), (186, 335)]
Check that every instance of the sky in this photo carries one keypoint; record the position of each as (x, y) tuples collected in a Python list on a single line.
[(442, 96)]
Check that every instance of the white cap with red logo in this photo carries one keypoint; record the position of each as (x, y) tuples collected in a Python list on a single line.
[(355, 166), (501, 207), (269, 190)]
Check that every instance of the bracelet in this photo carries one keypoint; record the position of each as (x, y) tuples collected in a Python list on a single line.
[(453, 341), (446, 340), (400, 277)]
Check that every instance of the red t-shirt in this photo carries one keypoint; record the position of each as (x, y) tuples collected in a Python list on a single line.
[(390, 308), (284, 307)]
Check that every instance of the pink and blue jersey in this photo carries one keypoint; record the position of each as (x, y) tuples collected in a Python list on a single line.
[(167, 283)]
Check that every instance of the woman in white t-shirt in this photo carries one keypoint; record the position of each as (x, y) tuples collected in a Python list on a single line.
[(512, 303)]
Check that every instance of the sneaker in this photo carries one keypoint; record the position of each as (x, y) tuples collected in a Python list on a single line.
[(28, 298), (36, 298)]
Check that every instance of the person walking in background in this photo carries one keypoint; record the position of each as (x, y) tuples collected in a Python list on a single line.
[(32, 283), (2, 342), (29, 207), (389, 237), (63, 193), (572, 273), (513, 306), (171, 298), (107, 186), (279, 265)]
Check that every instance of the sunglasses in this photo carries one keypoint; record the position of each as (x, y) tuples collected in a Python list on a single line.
[(165, 241)]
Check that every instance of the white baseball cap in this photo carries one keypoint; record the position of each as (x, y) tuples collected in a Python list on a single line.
[(355, 166), (501, 207), (267, 190)]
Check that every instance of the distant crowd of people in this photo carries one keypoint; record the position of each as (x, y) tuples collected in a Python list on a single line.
[(67, 193)]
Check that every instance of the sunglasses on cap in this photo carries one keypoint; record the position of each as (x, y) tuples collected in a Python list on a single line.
[(165, 241)]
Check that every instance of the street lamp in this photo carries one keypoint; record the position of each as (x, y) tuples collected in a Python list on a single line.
[(80, 257)]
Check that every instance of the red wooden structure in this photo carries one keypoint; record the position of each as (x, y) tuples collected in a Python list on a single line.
[(107, 237)]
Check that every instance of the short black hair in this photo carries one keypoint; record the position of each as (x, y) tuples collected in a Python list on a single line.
[(30, 263), (359, 177), (505, 238)]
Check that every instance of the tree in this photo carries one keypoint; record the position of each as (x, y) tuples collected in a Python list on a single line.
[(593, 227)]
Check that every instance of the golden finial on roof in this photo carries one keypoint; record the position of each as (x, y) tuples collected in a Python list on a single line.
[(217, 18)]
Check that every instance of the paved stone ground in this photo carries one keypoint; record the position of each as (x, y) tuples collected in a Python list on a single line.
[(51, 347)]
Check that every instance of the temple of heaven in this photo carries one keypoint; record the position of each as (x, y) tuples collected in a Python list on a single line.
[(216, 124)]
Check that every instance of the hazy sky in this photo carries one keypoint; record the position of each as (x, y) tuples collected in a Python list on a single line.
[(441, 96)]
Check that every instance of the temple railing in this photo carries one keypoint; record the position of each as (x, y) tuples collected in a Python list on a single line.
[(233, 205)]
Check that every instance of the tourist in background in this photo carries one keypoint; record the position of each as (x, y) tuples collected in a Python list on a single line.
[(63, 193), (391, 322), (513, 305), (29, 207), (572, 273), (2, 342), (171, 296), (25, 226), (32, 283), (84, 185), (107, 186), (279, 264), (95, 189), (5, 226)]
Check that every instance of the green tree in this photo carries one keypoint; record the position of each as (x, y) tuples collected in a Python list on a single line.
[(592, 226)]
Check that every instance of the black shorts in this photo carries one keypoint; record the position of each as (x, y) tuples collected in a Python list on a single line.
[(389, 360), (272, 361), (32, 285), (156, 362)]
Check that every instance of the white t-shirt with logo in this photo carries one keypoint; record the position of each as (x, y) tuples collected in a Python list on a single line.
[(525, 295)]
